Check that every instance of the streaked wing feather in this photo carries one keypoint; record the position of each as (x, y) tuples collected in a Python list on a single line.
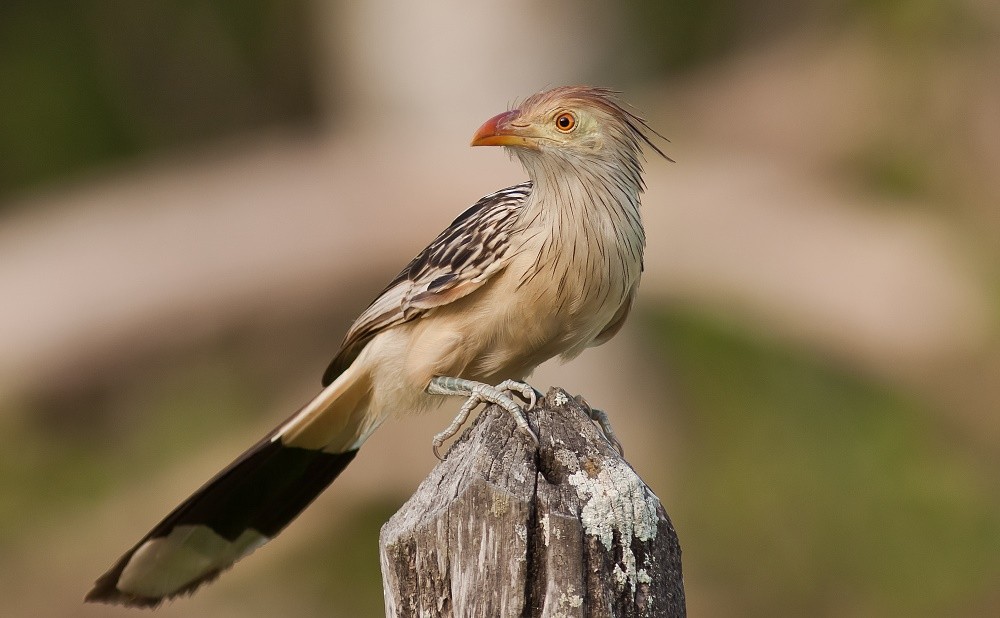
[(466, 254)]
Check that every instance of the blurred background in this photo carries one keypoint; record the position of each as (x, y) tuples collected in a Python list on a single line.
[(196, 199)]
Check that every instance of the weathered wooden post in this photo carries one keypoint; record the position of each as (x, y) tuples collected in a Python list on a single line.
[(502, 528)]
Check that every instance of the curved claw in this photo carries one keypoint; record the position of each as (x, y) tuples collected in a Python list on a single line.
[(436, 448), (532, 398)]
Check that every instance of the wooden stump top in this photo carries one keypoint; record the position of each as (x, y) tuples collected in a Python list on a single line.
[(505, 528)]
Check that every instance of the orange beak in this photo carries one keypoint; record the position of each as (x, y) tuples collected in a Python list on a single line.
[(497, 132)]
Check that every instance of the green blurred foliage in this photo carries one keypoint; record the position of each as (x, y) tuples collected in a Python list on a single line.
[(675, 36), (894, 170), (339, 573), (919, 22), (88, 83), (71, 451), (811, 489)]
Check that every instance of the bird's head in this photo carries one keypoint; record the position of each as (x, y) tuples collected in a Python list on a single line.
[(569, 122)]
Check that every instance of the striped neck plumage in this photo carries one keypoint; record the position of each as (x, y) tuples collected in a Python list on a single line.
[(593, 192)]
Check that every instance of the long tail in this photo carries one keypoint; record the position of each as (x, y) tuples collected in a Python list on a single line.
[(246, 504)]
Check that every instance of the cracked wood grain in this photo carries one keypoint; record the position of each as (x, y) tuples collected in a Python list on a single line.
[(502, 528)]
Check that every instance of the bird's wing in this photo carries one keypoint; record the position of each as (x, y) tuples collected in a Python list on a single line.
[(464, 256)]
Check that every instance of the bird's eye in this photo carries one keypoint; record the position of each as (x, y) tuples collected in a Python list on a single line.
[(565, 122)]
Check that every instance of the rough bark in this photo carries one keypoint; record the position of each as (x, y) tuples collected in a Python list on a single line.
[(505, 528)]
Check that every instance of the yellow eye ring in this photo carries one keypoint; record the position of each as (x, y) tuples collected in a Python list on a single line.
[(565, 122)]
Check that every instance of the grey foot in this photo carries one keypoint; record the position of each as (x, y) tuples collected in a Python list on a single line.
[(601, 418), (478, 393)]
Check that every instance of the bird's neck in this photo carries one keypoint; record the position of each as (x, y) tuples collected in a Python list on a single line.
[(583, 221), (587, 201)]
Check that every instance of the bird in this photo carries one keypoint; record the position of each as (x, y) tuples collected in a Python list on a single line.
[(544, 268)]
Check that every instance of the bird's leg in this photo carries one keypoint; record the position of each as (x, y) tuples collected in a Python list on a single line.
[(601, 418), (456, 424), (478, 393)]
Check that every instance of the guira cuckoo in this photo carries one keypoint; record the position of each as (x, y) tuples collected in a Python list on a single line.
[(544, 268)]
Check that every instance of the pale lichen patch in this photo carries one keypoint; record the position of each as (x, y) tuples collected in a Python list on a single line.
[(620, 576), (567, 459), (564, 605), (570, 600), (616, 500)]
